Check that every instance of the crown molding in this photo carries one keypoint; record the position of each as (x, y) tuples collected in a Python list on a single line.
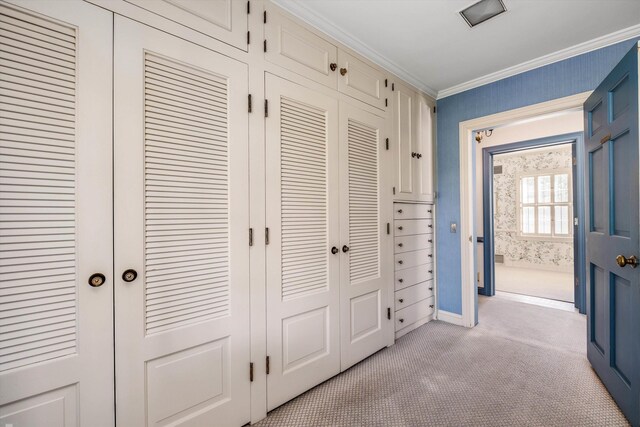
[(300, 10), (579, 49)]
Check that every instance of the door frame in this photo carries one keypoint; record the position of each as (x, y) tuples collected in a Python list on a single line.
[(576, 139), (468, 233)]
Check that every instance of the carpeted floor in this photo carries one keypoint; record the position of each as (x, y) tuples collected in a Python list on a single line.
[(523, 365)]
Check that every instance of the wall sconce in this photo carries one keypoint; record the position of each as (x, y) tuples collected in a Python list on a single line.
[(487, 133)]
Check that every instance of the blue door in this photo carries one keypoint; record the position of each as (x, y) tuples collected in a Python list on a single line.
[(613, 243)]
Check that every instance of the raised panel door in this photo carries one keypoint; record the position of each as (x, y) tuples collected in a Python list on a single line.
[(361, 81)]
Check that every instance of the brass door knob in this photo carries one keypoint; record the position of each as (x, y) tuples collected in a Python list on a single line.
[(334, 250), (129, 275), (401, 320), (399, 210), (624, 261), (400, 244), (400, 280), (97, 279), (333, 66), (401, 300), (343, 71)]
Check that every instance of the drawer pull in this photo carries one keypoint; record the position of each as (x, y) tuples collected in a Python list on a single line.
[(430, 211), (430, 305), (430, 271), (401, 300), (430, 240), (399, 210), (400, 262), (430, 225), (431, 288), (430, 255), (401, 320), (400, 228), (400, 280), (400, 244)]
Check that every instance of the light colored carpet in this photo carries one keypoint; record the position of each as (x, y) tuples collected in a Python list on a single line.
[(535, 282), (523, 365)]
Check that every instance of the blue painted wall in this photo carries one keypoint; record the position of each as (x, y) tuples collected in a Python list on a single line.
[(564, 78)]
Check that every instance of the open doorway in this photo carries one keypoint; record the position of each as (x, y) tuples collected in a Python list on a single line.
[(529, 209)]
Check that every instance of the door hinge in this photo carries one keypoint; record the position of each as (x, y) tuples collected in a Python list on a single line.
[(248, 37), (248, 7), (250, 236), (434, 110), (264, 17), (389, 313), (386, 102), (388, 228), (249, 109), (251, 372), (264, 45), (386, 144), (266, 235), (394, 190), (386, 82), (267, 366), (575, 161), (266, 108), (575, 221), (393, 87)]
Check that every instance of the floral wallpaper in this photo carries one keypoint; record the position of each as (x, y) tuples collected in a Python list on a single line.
[(518, 250)]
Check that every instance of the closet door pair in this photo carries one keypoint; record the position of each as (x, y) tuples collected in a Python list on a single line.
[(326, 218)]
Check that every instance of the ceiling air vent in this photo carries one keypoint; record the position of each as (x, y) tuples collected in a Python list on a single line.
[(482, 11)]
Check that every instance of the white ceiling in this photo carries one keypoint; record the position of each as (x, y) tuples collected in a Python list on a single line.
[(428, 43)]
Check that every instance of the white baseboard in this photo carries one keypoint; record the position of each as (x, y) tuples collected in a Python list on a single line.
[(449, 317)]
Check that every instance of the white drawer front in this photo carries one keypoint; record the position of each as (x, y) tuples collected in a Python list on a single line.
[(413, 294), (412, 243), (413, 313), (411, 276), (406, 227), (413, 259), (412, 211)]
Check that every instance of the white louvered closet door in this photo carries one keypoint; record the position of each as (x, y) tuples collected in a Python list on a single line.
[(302, 216), (181, 222), (365, 205), (56, 345)]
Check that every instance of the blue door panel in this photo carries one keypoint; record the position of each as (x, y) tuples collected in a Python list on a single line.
[(613, 205)]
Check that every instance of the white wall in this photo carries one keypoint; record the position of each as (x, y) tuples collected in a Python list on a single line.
[(557, 124)]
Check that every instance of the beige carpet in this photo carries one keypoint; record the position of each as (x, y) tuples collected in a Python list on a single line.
[(523, 365), (535, 282)]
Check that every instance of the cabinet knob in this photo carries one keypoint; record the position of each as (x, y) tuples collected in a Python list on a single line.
[(343, 71), (430, 225), (400, 262), (400, 244), (399, 210), (430, 305), (430, 271), (400, 228), (430, 240), (430, 288), (430, 255), (430, 211), (345, 249), (400, 280), (401, 320), (334, 250), (418, 155), (413, 154), (401, 300), (333, 66), (97, 279), (129, 275)]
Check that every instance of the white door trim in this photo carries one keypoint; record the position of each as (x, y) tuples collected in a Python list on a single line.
[(467, 195)]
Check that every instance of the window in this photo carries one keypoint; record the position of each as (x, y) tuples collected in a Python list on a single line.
[(545, 205)]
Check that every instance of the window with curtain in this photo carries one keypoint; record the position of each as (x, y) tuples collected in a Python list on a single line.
[(545, 205)]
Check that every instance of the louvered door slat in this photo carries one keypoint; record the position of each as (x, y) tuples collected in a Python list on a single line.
[(37, 177), (363, 201), (186, 195), (303, 184)]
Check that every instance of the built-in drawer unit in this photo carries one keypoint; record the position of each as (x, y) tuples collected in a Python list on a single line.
[(414, 313), (413, 294), (412, 243), (415, 287), (412, 211), (411, 276), (407, 227)]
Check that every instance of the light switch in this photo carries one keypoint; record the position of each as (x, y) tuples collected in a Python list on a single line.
[(454, 227)]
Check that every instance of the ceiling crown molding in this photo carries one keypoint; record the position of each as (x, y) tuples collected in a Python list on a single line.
[(303, 12), (579, 49)]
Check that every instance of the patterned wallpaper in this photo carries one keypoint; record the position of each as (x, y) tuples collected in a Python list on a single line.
[(551, 254)]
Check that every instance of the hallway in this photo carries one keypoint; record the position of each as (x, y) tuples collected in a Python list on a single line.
[(522, 365)]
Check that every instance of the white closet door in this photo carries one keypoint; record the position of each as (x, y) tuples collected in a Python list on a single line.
[(181, 222), (424, 146), (366, 252), (56, 363), (302, 216), (404, 140)]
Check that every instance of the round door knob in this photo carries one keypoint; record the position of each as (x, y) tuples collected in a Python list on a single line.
[(401, 320), (333, 66), (334, 250), (345, 249), (401, 300), (624, 261), (129, 275), (399, 210), (343, 71), (97, 279)]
